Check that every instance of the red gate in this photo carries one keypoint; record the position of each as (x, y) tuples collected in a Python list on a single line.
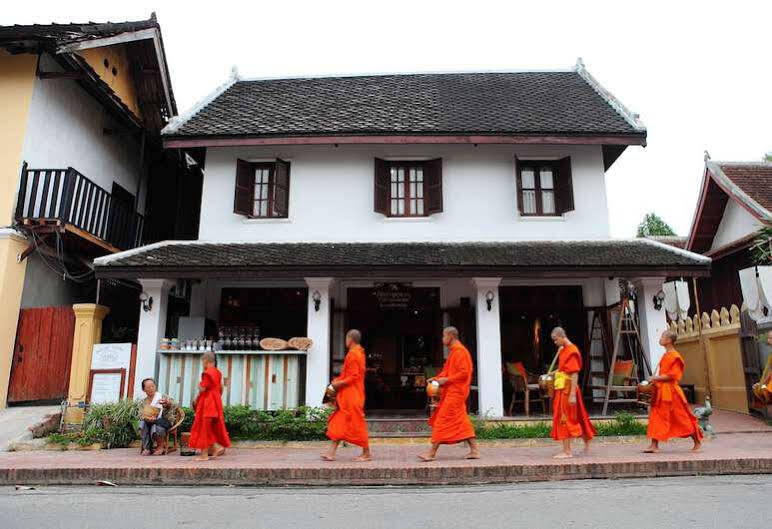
[(42, 355)]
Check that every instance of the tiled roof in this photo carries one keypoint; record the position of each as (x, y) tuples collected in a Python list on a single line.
[(754, 179), (671, 240), (608, 255), (560, 102), (59, 34)]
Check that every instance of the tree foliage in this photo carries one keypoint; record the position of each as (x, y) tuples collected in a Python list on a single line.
[(653, 225), (761, 251)]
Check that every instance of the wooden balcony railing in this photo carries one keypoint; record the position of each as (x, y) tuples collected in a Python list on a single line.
[(66, 197)]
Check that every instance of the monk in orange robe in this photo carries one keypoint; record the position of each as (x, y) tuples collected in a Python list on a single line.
[(569, 416), (767, 374), (348, 423), (450, 422), (670, 415), (208, 432)]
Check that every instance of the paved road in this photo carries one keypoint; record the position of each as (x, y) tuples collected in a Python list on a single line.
[(704, 502)]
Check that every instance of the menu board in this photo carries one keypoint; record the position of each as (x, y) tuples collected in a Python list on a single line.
[(112, 356), (106, 385)]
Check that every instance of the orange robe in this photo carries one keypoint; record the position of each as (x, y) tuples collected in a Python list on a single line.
[(570, 420), (670, 415), (450, 422), (209, 421), (348, 423)]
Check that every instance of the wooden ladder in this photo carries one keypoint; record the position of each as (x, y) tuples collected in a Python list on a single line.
[(596, 354), (626, 327)]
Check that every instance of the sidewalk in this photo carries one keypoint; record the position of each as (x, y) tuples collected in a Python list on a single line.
[(394, 464)]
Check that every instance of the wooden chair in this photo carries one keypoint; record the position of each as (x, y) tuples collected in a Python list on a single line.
[(624, 373), (179, 414), (523, 383)]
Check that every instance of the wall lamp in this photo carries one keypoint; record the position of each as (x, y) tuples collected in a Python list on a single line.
[(658, 299), (489, 299), (147, 301), (317, 297)]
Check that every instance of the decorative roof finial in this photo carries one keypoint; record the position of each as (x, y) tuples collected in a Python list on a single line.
[(153, 17), (707, 155), (579, 63), (235, 73)]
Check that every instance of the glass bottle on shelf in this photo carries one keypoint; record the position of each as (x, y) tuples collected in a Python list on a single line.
[(248, 342)]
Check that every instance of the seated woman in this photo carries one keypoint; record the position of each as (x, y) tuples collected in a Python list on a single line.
[(152, 425)]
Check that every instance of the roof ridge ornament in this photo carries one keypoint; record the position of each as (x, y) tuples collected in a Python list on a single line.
[(632, 118), (707, 155), (235, 73), (579, 64), (177, 122)]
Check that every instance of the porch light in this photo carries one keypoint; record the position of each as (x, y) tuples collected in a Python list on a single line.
[(658, 299), (317, 297), (489, 299), (147, 301)]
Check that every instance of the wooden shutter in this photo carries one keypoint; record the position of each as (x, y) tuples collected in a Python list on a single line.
[(281, 180), (433, 186), (243, 203), (564, 187), (382, 183), (519, 184)]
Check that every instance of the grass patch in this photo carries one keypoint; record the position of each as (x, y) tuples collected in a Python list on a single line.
[(622, 424)]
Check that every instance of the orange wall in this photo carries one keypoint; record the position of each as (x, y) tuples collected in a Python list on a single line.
[(121, 82)]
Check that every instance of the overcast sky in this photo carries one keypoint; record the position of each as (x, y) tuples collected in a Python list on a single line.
[(698, 73)]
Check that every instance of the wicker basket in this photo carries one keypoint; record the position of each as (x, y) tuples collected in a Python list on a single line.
[(273, 344), (300, 343)]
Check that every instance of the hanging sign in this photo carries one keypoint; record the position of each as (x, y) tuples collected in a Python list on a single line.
[(393, 295)]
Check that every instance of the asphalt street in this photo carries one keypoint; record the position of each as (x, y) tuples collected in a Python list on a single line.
[(704, 502)]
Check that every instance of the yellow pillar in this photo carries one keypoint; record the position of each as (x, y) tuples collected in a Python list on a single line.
[(11, 286), (88, 331)]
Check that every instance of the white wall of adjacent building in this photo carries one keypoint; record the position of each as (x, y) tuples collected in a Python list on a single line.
[(331, 195), (66, 128), (735, 224)]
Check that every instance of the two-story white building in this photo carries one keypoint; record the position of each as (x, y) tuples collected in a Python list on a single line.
[(397, 204)]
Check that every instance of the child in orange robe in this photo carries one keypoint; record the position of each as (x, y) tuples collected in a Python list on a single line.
[(348, 423), (208, 432), (670, 415), (450, 422), (569, 416)]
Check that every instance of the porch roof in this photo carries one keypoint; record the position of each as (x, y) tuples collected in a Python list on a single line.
[(576, 258)]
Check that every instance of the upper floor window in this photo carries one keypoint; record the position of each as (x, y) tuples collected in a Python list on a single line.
[(408, 188), (262, 189), (544, 188)]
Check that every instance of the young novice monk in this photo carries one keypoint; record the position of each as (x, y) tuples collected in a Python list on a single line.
[(569, 417), (670, 415), (450, 422), (208, 432), (348, 423)]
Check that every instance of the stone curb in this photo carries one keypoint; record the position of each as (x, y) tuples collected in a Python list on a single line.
[(411, 475)]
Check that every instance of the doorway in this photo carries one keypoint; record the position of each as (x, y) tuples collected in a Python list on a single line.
[(401, 330)]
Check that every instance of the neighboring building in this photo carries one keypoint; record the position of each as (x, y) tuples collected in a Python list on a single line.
[(397, 204), (83, 174), (735, 202)]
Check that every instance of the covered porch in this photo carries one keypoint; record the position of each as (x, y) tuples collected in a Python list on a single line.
[(503, 297)]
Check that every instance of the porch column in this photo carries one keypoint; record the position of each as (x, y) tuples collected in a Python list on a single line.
[(489, 379), (152, 327), (653, 322), (88, 331), (318, 357)]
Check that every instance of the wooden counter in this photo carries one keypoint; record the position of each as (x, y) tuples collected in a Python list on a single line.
[(264, 380)]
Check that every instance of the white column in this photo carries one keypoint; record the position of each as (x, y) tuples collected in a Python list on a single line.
[(318, 357), (653, 322), (489, 380), (152, 327)]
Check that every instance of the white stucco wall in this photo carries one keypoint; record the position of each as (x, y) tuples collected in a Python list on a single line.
[(331, 195), (735, 224), (66, 129)]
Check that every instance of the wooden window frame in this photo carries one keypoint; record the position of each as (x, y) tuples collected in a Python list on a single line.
[(536, 166), (271, 209), (406, 165)]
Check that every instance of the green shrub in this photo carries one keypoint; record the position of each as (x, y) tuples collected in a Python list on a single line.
[(622, 424), (114, 425), (298, 424)]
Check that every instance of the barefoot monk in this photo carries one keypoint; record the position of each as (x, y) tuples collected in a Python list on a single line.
[(208, 432), (670, 415), (450, 422), (347, 423), (569, 416)]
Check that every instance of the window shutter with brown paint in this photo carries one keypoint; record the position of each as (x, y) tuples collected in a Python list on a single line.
[(243, 202), (382, 180), (564, 192), (519, 185), (281, 176), (433, 183)]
